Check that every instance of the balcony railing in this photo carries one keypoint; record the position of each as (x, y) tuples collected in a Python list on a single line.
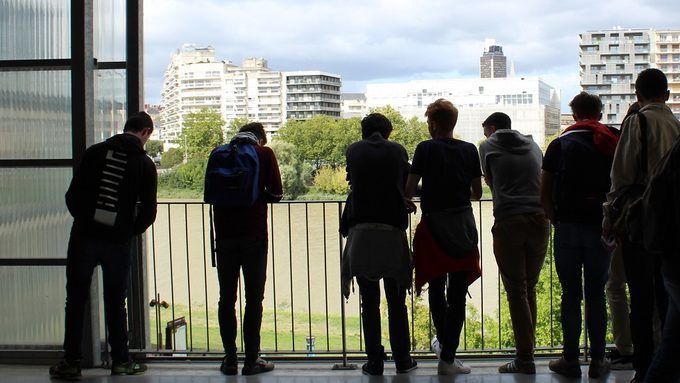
[(304, 313)]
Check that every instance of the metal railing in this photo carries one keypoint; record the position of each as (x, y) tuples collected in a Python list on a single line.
[(304, 313)]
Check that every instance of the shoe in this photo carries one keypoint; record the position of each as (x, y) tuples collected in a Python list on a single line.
[(518, 366), (569, 368), (129, 368), (436, 347), (257, 367), (598, 368), (408, 367), (229, 365), (373, 368), (66, 370), (452, 368), (619, 361)]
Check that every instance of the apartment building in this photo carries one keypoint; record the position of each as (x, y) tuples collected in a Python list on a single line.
[(610, 61), (353, 105), (195, 79), (309, 93), (532, 104)]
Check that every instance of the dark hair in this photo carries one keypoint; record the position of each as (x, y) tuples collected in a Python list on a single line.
[(257, 129), (137, 122), (499, 120), (651, 84), (376, 122), (443, 113), (586, 105)]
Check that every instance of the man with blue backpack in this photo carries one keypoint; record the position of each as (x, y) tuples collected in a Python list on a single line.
[(242, 177)]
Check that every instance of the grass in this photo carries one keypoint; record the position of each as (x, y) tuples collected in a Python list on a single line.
[(275, 335)]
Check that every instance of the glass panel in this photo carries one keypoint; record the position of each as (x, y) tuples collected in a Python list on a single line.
[(34, 222), (109, 30), (35, 29), (110, 103), (36, 114), (32, 305)]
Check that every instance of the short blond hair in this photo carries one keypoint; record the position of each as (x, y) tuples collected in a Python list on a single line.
[(443, 113)]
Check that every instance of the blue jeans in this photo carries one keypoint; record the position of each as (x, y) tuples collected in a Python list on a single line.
[(664, 365), (578, 248), (84, 254)]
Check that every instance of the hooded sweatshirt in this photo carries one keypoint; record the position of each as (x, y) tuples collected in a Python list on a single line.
[(113, 191), (511, 163)]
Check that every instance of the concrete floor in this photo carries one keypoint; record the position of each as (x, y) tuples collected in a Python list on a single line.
[(304, 372)]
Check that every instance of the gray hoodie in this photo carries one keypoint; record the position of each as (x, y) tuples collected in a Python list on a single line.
[(511, 163)]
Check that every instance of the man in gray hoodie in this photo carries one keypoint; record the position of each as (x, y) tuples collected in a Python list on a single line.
[(511, 163)]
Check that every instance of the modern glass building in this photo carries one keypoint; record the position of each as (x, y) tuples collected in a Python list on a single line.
[(70, 73)]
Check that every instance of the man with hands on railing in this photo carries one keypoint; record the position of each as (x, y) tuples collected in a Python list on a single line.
[(374, 221)]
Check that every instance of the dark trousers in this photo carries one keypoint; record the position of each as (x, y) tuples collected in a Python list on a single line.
[(579, 249), (446, 296), (646, 293), (397, 315), (232, 256), (664, 366), (84, 254)]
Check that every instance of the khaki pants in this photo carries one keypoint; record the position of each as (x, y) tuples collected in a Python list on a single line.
[(519, 244)]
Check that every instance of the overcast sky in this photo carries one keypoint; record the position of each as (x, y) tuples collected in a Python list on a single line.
[(368, 41)]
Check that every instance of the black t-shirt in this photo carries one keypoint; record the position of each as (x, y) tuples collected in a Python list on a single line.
[(581, 177), (447, 167)]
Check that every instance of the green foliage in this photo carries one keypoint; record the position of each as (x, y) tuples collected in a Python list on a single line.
[(321, 140), (172, 157), (408, 133), (295, 174), (234, 126), (549, 139), (201, 133), (187, 176), (331, 180), (154, 147)]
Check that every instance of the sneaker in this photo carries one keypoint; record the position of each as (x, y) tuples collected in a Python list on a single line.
[(620, 362), (452, 368), (436, 347), (598, 368), (229, 365), (66, 370), (408, 367), (373, 368), (518, 366), (257, 367), (129, 368), (569, 368)]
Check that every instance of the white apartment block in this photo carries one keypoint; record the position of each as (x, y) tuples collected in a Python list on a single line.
[(309, 93), (353, 105), (533, 105), (611, 59), (195, 79)]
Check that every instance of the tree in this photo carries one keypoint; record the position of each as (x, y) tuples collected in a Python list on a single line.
[(321, 140), (154, 147), (408, 133), (234, 126), (201, 133), (171, 158), (295, 174)]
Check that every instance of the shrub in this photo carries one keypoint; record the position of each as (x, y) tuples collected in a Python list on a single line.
[(331, 180)]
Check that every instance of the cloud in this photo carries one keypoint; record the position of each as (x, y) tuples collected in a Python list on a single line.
[(375, 40)]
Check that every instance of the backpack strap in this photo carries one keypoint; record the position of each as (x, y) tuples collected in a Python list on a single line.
[(643, 146), (213, 245)]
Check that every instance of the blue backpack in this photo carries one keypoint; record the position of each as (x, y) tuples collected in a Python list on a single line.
[(232, 176)]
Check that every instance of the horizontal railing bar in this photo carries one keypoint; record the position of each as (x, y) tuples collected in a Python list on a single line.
[(32, 261)]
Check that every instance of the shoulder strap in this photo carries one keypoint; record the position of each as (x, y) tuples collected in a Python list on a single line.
[(643, 145)]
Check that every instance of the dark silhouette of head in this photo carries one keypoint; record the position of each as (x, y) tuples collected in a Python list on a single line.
[(586, 106), (376, 122), (257, 129), (137, 122), (651, 86), (498, 120), (443, 114)]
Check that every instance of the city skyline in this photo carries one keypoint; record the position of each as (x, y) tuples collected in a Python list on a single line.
[(387, 41)]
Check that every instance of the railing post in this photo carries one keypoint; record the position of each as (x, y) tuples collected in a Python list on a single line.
[(344, 365)]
